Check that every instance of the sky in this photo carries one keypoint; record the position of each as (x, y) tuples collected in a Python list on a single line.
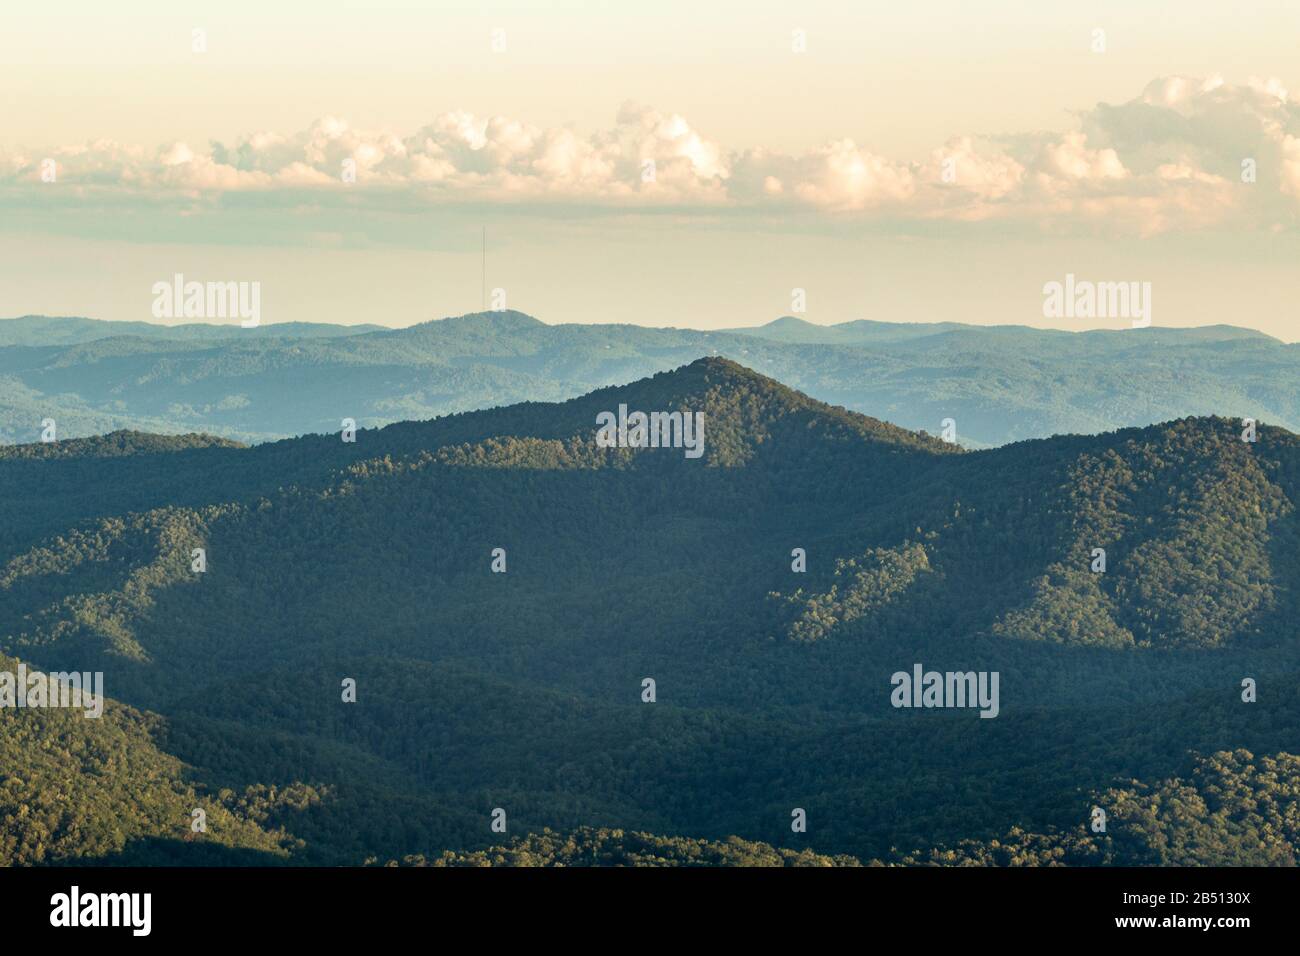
[(697, 165)]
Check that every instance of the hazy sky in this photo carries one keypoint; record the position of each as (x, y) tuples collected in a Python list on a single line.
[(676, 163)]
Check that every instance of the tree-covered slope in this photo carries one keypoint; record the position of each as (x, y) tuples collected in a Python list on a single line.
[(590, 846), (1232, 809), (77, 788), (769, 589)]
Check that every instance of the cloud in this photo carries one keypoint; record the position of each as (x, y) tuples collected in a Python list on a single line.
[(1170, 158), (838, 177)]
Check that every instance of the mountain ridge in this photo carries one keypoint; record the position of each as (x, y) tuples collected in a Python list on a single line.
[(997, 384)]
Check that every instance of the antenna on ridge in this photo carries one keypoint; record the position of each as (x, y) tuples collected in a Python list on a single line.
[(483, 307)]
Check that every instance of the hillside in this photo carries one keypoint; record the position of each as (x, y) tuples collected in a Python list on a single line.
[(589, 846), (1233, 809), (373, 561), (92, 790), (999, 384)]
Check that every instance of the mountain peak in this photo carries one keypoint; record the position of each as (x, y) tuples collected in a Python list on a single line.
[(747, 415), (719, 363), (754, 407), (501, 320)]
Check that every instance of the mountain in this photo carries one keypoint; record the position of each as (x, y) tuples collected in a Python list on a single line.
[(998, 384), (788, 328), (39, 330), (328, 561)]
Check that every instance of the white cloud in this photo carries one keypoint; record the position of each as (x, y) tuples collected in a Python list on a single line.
[(1070, 161), (1170, 158)]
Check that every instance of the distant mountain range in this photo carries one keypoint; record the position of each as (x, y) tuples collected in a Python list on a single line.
[(999, 384), (772, 590), (41, 330)]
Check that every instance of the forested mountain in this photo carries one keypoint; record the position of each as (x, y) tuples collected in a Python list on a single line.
[(999, 384), (867, 332), (589, 846), (1234, 809), (72, 330), (524, 689)]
